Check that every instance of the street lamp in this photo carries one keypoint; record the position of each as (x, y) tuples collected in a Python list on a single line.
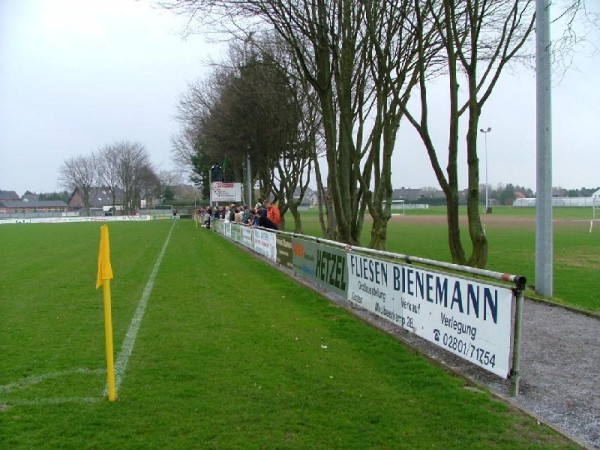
[(487, 203)]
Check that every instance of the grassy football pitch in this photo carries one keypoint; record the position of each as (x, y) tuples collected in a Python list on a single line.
[(228, 353)]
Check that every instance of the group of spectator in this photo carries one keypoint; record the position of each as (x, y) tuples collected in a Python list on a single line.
[(265, 214)]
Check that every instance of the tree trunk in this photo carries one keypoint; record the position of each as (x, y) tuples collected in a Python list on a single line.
[(297, 219), (477, 235), (479, 240), (379, 234), (456, 248)]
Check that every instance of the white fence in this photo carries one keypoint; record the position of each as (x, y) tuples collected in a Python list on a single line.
[(558, 202)]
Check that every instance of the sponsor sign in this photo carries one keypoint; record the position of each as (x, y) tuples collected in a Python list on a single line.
[(247, 237), (321, 264), (225, 192), (305, 258), (469, 319), (226, 228), (284, 251), (236, 232), (264, 244), (217, 225)]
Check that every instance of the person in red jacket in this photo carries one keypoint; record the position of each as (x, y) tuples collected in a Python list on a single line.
[(273, 213)]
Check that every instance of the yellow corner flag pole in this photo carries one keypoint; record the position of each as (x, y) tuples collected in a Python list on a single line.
[(105, 274)]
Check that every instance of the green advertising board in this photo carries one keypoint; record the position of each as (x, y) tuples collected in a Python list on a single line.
[(321, 264), (285, 251)]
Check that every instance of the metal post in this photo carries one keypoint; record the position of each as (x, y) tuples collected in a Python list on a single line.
[(516, 362), (210, 191), (248, 181), (543, 235), (487, 203)]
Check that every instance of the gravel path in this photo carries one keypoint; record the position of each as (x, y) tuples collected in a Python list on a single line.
[(560, 367)]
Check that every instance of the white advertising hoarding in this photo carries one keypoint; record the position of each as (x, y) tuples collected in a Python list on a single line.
[(247, 237), (226, 230), (225, 192), (265, 243), (469, 319)]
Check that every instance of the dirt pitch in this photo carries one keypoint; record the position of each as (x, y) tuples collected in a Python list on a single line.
[(491, 220)]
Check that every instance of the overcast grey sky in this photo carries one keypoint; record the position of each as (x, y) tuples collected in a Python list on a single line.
[(76, 75)]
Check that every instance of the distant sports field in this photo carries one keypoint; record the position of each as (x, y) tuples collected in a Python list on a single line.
[(216, 350), (511, 234)]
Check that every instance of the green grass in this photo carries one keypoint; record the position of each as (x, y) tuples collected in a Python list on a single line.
[(230, 355), (511, 249)]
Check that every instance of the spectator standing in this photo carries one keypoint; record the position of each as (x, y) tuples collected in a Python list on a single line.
[(263, 221), (207, 214), (273, 213), (260, 207), (245, 215), (253, 217)]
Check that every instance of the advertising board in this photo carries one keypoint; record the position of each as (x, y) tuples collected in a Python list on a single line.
[(285, 251), (467, 318), (247, 237), (225, 192), (264, 244), (322, 264)]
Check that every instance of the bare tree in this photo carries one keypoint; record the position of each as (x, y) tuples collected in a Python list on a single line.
[(395, 36), (479, 38), (79, 172), (149, 186), (362, 60), (305, 150), (107, 169), (299, 123), (134, 166), (183, 151), (359, 59), (327, 40), (249, 107)]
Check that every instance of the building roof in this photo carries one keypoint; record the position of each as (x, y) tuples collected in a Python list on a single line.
[(34, 204), (9, 195), (410, 194), (307, 193), (28, 196), (101, 196)]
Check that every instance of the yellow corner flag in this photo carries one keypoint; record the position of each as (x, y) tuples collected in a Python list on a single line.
[(104, 268), (105, 274)]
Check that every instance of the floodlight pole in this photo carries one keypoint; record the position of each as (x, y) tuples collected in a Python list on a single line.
[(248, 181), (487, 203), (543, 203)]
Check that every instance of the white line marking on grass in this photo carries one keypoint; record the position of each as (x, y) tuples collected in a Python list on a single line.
[(51, 401), (34, 379), (120, 365), (127, 348)]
